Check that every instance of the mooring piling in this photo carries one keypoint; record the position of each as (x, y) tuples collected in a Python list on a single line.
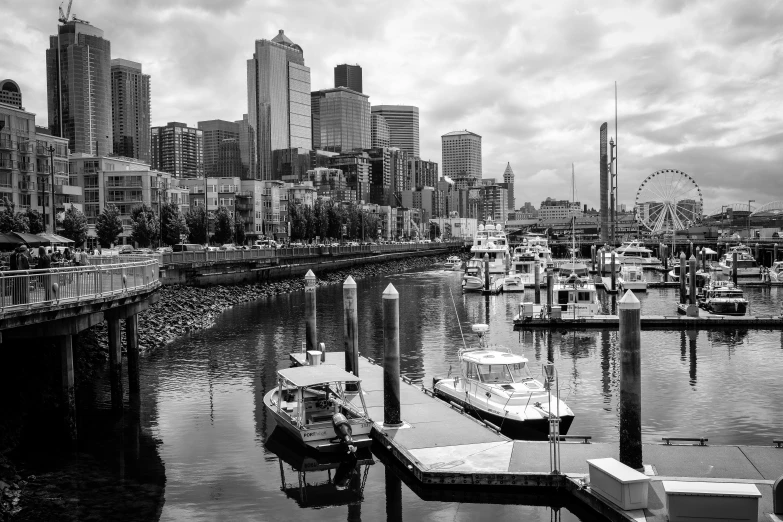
[(682, 278), (486, 272), (734, 267), (592, 257), (614, 274), (550, 282), (351, 328), (630, 381), (693, 308), (310, 324), (391, 357), (537, 281)]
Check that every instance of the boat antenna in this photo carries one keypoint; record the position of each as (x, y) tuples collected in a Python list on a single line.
[(458, 320)]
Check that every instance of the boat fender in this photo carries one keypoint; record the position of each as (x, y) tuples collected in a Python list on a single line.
[(342, 428)]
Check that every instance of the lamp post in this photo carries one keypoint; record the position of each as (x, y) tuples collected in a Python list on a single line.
[(749, 202), (51, 171)]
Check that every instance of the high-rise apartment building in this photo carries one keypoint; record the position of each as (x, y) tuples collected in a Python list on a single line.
[(78, 81), (247, 146), (340, 120), (229, 162), (11, 94), (461, 154), (379, 132), (349, 76), (356, 168), (278, 89), (403, 122), (422, 173), (508, 180), (130, 109), (178, 150), (494, 203), (215, 131)]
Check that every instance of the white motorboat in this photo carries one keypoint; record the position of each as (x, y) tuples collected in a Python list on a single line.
[(522, 270), (496, 386), (576, 267), (539, 247), (636, 253), (606, 266), (473, 278), (746, 263), (453, 263), (702, 277), (490, 239), (776, 272), (723, 298), (311, 403), (632, 278)]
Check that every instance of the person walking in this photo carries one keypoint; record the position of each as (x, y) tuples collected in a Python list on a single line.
[(23, 283), (45, 263)]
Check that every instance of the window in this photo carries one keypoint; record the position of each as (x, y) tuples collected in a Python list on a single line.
[(520, 372), (494, 373)]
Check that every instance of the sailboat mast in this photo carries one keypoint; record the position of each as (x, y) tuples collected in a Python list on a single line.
[(573, 215)]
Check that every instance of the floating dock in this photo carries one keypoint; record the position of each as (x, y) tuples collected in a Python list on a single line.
[(705, 320), (440, 447)]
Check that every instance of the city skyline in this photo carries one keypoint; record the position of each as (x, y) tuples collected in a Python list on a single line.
[(704, 103)]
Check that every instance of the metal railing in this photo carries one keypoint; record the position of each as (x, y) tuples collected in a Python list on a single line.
[(30, 289)]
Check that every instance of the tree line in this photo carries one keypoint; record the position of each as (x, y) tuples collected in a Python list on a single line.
[(329, 219)]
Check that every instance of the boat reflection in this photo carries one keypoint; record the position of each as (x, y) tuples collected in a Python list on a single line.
[(334, 479)]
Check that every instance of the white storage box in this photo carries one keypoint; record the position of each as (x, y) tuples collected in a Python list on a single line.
[(623, 486), (725, 501)]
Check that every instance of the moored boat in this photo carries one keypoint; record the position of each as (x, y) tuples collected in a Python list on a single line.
[(634, 252), (746, 264), (490, 239), (723, 298), (453, 263), (313, 405), (473, 278), (632, 278)]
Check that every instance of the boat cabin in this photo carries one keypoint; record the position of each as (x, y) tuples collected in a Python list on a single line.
[(493, 367), (632, 273)]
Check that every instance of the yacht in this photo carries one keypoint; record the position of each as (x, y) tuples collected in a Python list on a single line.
[(522, 270), (310, 402), (491, 239), (473, 278), (632, 278), (723, 298), (496, 386), (539, 246), (453, 263), (635, 252), (746, 263), (580, 269), (702, 277)]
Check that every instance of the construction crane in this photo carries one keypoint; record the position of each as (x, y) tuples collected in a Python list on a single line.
[(64, 16)]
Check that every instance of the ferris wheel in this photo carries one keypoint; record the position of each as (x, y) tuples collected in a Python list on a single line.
[(668, 200)]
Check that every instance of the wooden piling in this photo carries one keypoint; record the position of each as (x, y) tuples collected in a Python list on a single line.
[(693, 308), (351, 328), (537, 282), (310, 323), (115, 363), (68, 396), (756, 254), (486, 272), (774, 253), (682, 278), (550, 284), (391, 357), (592, 257), (630, 381), (734, 268), (614, 274)]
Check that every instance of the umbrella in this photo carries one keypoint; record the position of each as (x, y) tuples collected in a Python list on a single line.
[(54, 238), (61, 239), (9, 241), (32, 240)]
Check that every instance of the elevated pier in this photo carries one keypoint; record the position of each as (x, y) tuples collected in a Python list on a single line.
[(438, 446)]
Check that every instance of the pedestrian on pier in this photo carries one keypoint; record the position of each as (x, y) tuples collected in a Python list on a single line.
[(21, 284), (45, 263)]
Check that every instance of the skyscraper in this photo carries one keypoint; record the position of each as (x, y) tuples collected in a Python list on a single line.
[(348, 76), (247, 146), (278, 89), (341, 120), (130, 109), (379, 131), (461, 154), (403, 122), (178, 149), (78, 81), (508, 179), (11, 94), (215, 131)]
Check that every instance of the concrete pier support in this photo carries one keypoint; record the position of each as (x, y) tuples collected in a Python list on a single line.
[(630, 381), (690, 248), (682, 278), (734, 268), (351, 328), (65, 343), (310, 324), (537, 282), (391, 357), (132, 341), (393, 495), (115, 363)]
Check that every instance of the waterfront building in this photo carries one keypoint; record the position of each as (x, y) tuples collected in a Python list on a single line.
[(422, 173), (78, 84), (461, 153), (178, 150), (130, 109), (11, 94), (559, 209), (295, 194), (508, 180), (379, 132), (356, 168), (349, 76), (326, 180), (278, 87), (247, 146), (455, 227), (340, 120), (403, 124), (428, 200), (390, 175), (125, 183), (28, 156), (214, 132)]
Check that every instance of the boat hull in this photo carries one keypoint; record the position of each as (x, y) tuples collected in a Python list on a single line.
[(741, 272), (513, 283), (636, 286), (731, 308), (472, 284)]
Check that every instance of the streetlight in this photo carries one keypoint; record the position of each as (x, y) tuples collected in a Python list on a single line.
[(51, 171), (749, 202)]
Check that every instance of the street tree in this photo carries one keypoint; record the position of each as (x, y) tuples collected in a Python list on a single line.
[(74, 225), (108, 226), (223, 225), (35, 221), (239, 230), (11, 221), (174, 224), (146, 226), (197, 232)]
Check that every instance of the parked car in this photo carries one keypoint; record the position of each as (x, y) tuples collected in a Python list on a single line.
[(162, 250), (267, 243), (228, 246), (125, 249), (187, 247), (352, 243)]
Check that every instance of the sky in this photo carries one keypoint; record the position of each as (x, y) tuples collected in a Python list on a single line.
[(698, 82)]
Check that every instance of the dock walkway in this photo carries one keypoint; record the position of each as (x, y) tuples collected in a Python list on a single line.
[(705, 320), (441, 446)]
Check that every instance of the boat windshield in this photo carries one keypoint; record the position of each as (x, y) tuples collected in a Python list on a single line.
[(520, 372), (503, 373)]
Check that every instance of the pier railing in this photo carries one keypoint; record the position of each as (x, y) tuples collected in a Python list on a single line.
[(28, 289)]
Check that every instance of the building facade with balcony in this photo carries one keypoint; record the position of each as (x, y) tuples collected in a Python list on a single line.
[(559, 209), (178, 149)]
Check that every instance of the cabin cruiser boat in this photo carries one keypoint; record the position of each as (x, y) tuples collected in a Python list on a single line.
[(491, 239), (746, 264), (723, 298), (473, 278), (496, 386), (310, 402), (453, 263), (539, 247), (632, 278), (606, 266), (522, 270), (702, 277), (636, 253), (776, 272), (574, 267)]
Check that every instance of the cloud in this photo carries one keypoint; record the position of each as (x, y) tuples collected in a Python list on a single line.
[(699, 83)]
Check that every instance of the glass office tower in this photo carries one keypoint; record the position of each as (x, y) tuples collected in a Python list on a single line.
[(341, 120)]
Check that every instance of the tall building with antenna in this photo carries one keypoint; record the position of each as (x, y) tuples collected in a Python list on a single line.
[(78, 81)]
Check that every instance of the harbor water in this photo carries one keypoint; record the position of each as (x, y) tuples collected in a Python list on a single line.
[(201, 451)]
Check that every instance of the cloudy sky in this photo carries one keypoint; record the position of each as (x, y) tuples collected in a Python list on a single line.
[(699, 82)]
